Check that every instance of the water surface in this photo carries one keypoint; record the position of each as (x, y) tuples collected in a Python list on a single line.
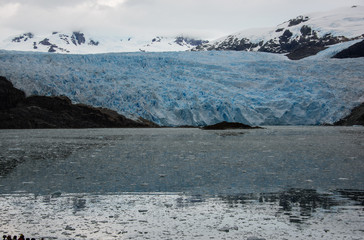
[(273, 183)]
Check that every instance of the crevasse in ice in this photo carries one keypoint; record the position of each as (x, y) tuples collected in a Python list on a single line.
[(197, 88)]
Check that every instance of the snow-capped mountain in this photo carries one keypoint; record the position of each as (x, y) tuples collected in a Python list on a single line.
[(299, 37), (80, 43)]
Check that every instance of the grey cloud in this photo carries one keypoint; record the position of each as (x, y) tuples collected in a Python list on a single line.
[(139, 2), (45, 3), (213, 18)]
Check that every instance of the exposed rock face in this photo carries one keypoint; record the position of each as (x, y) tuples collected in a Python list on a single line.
[(297, 20), (9, 96), (79, 42), (78, 38), (296, 47), (356, 117), (305, 51), (228, 125), (45, 42), (354, 51), (17, 112), (193, 42), (24, 37), (93, 43), (297, 38)]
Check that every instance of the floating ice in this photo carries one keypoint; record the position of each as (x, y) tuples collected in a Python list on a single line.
[(177, 216)]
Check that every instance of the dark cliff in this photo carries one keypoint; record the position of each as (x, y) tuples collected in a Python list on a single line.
[(356, 117), (354, 51), (20, 112)]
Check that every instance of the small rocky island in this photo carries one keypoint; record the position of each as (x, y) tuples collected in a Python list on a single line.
[(20, 112), (228, 125)]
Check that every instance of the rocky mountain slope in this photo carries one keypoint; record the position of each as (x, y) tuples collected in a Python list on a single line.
[(356, 117), (80, 42), (298, 38), (18, 111), (354, 51)]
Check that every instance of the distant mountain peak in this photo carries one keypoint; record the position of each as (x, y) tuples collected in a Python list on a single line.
[(300, 37), (81, 42)]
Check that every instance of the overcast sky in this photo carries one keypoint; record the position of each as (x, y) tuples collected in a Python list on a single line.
[(208, 19)]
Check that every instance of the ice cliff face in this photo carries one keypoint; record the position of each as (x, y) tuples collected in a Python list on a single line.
[(197, 88), (298, 38)]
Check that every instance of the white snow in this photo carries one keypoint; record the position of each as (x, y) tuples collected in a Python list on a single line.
[(348, 22), (196, 88), (107, 44)]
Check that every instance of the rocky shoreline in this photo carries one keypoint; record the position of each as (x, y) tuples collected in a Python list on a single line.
[(34, 112), (356, 117), (228, 125), (20, 112)]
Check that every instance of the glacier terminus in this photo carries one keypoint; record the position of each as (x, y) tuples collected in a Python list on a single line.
[(198, 88)]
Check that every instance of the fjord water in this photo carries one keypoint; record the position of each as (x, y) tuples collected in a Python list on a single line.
[(154, 175), (182, 160)]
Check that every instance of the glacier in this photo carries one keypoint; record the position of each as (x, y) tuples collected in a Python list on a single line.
[(197, 88)]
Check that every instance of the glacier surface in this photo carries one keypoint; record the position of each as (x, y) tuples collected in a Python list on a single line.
[(197, 88)]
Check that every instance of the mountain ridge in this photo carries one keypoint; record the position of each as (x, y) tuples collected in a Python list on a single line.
[(303, 36), (78, 42), (297, 38)]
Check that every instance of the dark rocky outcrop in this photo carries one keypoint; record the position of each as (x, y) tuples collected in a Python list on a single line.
[(228, 125), (356, 117), (93, 43), (354, 51), (297, 38), (78, 38), (297, 20), (52, 47), (24, 37), (296, 47), (191, 41), (9, 96), (20, 112), (45, 42), (304, 52)]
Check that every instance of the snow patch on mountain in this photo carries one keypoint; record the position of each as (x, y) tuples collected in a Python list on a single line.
[(313, 31), (198, 88), (82, 43)]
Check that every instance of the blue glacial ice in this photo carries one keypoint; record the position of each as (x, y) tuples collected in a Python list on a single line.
[(197, 88)]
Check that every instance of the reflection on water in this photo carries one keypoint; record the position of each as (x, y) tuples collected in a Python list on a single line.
[(273, 183), (300, 204), (291, 214), (181, 160)]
